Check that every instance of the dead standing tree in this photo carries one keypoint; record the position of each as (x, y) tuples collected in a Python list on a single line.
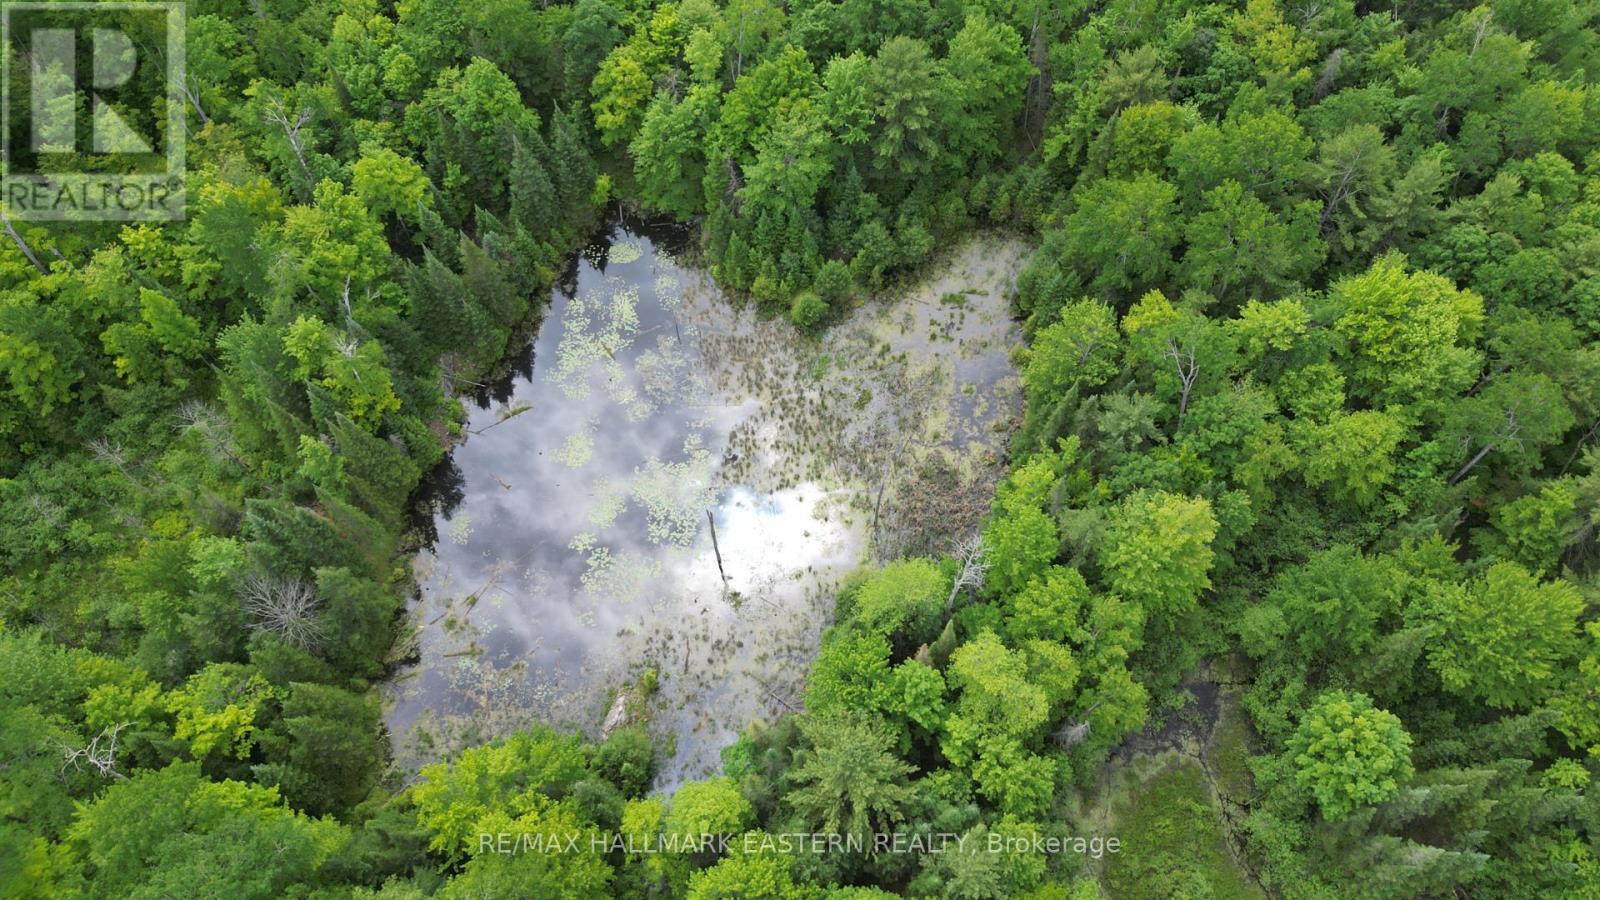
[(1188, 370), (1072, 733), (198, 417), (111, 454), (286, 607), (717, 549), (276, 114), (100, 754), (1509, 431), (974, 567)]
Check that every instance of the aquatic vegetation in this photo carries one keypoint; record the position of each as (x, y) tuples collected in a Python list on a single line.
[(674, 405)]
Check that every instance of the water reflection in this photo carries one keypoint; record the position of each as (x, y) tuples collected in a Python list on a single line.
[(571, 542)]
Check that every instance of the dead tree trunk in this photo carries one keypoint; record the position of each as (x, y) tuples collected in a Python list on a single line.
[(711, 520), (193, 95), (1188, 370), (973, 569), (100, 754), (1578, 450), (276, 114), (22, 244), (1509, 434)]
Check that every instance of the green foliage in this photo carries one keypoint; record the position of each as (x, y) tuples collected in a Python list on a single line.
[(1504, 637), (203, 412), (1352, 454), (668, 154), (332, 755), (1405, 332), (850, 782), (1049, 607), (1005, 700), (1336, 603), (565, 875), (509, 778), (171, 829), (712, 807), (848, 672), (1348, 754), (905, 599), (1020, 536), (1158, 551), (1312, 321), (217, 708), (355, 621), (808, 309), (739, 875), (627, 760), (1124, 231), (970, 870)]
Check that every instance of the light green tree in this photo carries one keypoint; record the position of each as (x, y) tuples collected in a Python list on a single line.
[(560, 875), (1083, 344), (1353, 455), (390, 184), (1157, 551), (1504, 638), (1349, 754), (712, 807), (512, 777), (747, 876), (1020, 538), (905, 597)]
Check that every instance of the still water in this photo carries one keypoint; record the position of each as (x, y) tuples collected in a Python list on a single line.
[(573, 545)]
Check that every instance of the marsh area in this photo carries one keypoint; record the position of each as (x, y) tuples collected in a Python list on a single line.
[(573, 545)]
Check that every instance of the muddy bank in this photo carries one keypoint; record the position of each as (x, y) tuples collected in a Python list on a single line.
[(653, 428)]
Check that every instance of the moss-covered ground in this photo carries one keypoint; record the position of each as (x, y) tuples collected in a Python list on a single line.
[(1168, 796)]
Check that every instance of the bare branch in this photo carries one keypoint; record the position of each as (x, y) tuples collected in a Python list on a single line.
[(112, 454), (1510, 433), (1070, 734), (100, 754), (974, 567), (276, 114), (16, 238), (191, 92), (285, 607), (199, 417), (1188, 370)]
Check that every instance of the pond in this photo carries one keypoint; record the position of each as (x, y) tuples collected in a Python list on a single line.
[(668, 481)]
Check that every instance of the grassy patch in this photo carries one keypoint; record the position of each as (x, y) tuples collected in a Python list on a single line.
[(1172, 843), (1229, 756)]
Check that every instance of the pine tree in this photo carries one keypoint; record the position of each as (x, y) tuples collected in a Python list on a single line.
[(534, 203), (291, 540), (571, 169), (380, 476)]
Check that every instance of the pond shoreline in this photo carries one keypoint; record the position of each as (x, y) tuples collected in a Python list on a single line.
[(570, 542)]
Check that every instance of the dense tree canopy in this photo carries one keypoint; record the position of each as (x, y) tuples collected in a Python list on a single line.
[(1312, 384)]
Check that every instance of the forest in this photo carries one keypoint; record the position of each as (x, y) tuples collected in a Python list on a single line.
[(1312, 403)]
